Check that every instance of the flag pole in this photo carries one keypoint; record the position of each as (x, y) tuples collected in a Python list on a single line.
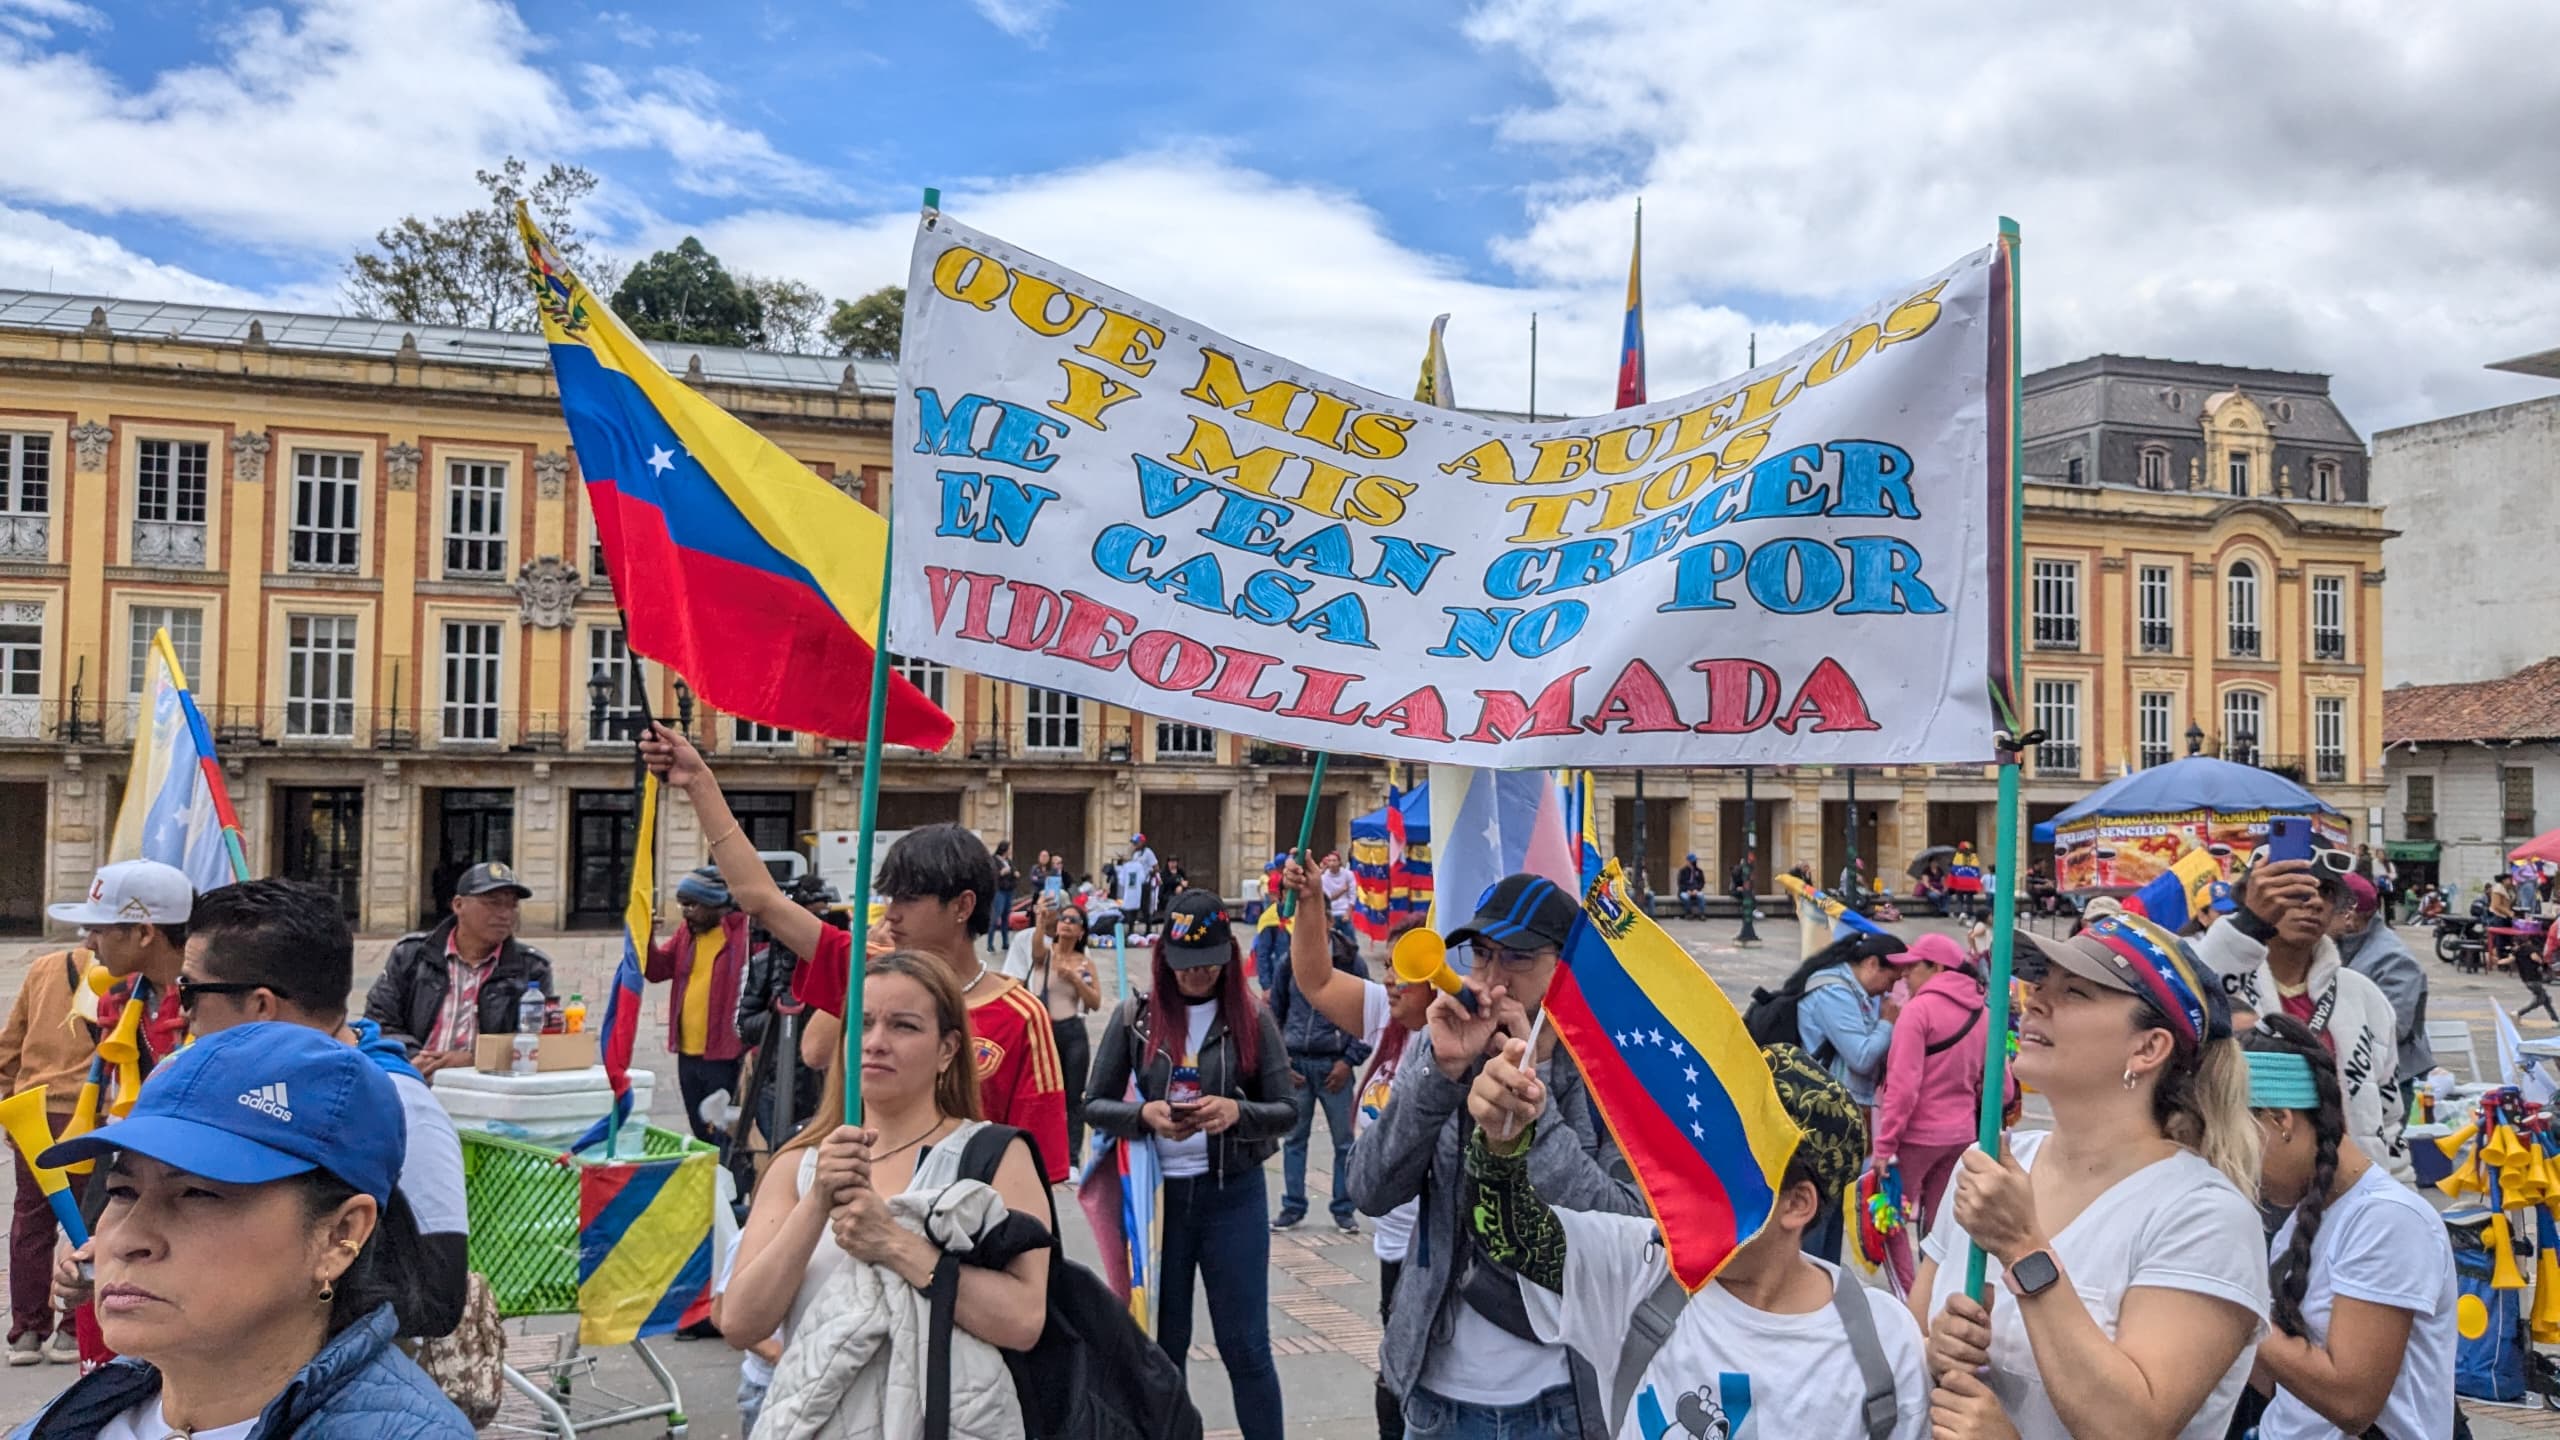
[(1306, 831), (643, 833), (2012, 742)]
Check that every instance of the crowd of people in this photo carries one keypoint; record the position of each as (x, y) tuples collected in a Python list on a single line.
[(2216, 1233)]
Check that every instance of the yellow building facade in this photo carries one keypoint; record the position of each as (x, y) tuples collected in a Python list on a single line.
[(368, 544)]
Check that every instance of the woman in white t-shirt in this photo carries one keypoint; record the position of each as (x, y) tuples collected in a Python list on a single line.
[(2125, 1289), (2362, 1275), (1386, 1018)]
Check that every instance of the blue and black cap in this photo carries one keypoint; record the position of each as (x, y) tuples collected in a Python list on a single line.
[(1522, 912)]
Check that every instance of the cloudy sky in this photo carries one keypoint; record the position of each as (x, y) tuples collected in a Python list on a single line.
[(2339, 185)]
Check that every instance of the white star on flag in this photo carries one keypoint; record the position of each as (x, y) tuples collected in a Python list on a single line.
[(1692, 1073), (1699, 1131), (1693, 1102), (1676, 1051), (661, 460), (1657, 1037), (1622, 1040)]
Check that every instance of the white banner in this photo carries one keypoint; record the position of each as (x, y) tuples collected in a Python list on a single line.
[(1797, 566)]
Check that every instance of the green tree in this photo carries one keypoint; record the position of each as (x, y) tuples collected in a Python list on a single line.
[(688, 297), (793, 314), (869, 327), (469, 269)]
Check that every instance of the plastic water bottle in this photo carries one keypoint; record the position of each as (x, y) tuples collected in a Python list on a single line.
[(525, 1050)]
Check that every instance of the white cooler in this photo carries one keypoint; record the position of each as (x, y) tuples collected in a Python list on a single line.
[(552, 1109)]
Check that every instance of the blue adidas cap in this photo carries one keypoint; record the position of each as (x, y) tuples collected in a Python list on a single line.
[(262, 1102)]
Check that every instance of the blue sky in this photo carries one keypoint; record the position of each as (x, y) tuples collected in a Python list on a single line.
[(2248, 181)]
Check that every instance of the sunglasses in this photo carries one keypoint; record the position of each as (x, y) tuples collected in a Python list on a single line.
[(191, 990)]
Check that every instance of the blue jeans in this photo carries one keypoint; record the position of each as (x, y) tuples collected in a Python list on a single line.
[(1552, 1415), (1220, 1231), (1000, 923), (1337, 1121)]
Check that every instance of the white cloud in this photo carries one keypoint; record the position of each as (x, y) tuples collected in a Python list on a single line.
[(1021, 19), (2257, 183), (35, 19), (38, 252), (678, 114)]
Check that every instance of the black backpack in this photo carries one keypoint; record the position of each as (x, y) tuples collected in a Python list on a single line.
[(1771, 1016), (1094, 1375)]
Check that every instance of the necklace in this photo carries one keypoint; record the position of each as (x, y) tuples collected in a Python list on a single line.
[(937, 1124), (974, 979)]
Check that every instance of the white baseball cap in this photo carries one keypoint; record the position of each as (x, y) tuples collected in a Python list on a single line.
[(132, 892)]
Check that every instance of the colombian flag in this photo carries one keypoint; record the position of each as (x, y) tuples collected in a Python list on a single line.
[(644, 1247), (1631, 344), (733, 563), (1678, 1080)]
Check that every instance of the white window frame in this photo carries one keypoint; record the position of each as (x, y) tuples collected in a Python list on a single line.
[(2248, 706), (2155, 583), (2329, 629), (2057, 604), (475, 519), (608, 651), (1186, 742), (2155, 467), (15, 462), (172, 502), (757, 735), (2057, 714), (2328, 740), (2155, 728), (185, 624), (1052, 721), (2325, 482), (320, 676), (472, 680), (2241, 603), (22, 669), (2235, 470), (326, 518), (929, 676)]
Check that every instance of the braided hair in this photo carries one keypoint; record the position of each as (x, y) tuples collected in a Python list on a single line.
[(2290, 1275)]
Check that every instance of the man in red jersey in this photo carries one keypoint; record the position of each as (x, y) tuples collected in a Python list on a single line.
[(938, 884)]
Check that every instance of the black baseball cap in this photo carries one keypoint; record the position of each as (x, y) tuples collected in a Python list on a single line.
[(490, 877), (1196, 932), (1522, 912)]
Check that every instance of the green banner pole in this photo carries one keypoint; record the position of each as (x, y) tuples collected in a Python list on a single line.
[(1306, 831), (2012, 741), (862, 845)]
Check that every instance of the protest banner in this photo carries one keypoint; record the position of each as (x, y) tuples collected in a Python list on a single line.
[(1804, 565)]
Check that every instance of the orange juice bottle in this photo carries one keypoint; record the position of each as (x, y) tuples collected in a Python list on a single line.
[(576, 1014)]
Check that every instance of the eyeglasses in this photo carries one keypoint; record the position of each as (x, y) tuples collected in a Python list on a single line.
[(191, 990), (1504, 957)]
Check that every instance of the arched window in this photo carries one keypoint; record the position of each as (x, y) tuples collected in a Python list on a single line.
[(2155, 467), (2240, 606)]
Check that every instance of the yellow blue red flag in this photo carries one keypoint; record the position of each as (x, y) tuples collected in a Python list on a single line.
[(734, 564), (2188, 893), (644, 1247), (1678, 1079), (620, 1032), (1631, 340)]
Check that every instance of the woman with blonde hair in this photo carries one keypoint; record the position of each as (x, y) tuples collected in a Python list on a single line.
[(822, 1208), (2128, 1282)]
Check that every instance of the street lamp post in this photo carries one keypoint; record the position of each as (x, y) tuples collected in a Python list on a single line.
[(1644, 882), (600, 703), (1750, 861), (2195, 738)]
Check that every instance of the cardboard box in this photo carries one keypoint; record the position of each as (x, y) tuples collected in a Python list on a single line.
[(495, 1054)]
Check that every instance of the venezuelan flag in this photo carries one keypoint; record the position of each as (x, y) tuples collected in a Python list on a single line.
[(644, 1247), (2187, 893), (1631, 342), (621, 1028), (754, 579), (1677, 1078), (176, 808)]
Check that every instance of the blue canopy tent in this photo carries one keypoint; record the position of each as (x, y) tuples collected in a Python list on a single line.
[(2126, 831), (2199, 782), (1391, 862)]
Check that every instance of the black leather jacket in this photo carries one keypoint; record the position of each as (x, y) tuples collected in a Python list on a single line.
[(409, 995), (1266, 1103)]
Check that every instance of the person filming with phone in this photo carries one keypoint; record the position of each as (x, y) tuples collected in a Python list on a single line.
[(2275, 956)]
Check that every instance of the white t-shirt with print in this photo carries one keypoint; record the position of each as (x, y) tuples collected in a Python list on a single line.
[(2381, 1244), (1184, 1159), (2175, 1224), (145, 1422), (1726, 1366), (1393, 1231)]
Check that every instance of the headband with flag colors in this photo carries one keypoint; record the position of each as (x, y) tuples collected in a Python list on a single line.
[(1677, 1077), (734, 564), (176, 808), (2167, 971)]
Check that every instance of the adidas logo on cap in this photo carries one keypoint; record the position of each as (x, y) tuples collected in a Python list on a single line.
[(271, 1099)]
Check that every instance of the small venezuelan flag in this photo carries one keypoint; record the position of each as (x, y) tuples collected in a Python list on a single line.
[(644, 1247), (1631, 342), (620, 1032), (2189, 892), (1677, 1078), (733, 563)]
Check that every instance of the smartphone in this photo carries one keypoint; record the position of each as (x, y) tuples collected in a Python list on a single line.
[(1182, 1089), (1054, 885), (2288, 838)]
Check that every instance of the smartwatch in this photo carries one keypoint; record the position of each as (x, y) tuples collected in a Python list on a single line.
[(2034, 1273)]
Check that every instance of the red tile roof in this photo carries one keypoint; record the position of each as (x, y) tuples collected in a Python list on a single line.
[(2523, 706)]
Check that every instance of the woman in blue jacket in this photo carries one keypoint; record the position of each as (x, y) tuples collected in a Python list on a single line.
[(241, 1262)]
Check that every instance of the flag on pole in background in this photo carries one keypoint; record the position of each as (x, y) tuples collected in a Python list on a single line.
[(644, 1247), (1677, 1077), (2188, 893), (1486, 824), (733, 563), (176, 808), (1631, 341), (1434, 388), (621, 1028)]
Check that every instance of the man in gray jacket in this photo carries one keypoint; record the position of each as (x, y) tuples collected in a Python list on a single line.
[(1459, 1349), (2371, 948)]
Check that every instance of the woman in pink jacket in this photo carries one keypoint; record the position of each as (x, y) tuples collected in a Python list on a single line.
[(1929, 1104)]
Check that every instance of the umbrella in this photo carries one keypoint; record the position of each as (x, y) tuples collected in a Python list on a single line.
[(1921, 861), (2545, 846), (2199, 782)]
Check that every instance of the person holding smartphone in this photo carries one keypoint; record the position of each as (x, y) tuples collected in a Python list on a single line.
[(1213, 1089)]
